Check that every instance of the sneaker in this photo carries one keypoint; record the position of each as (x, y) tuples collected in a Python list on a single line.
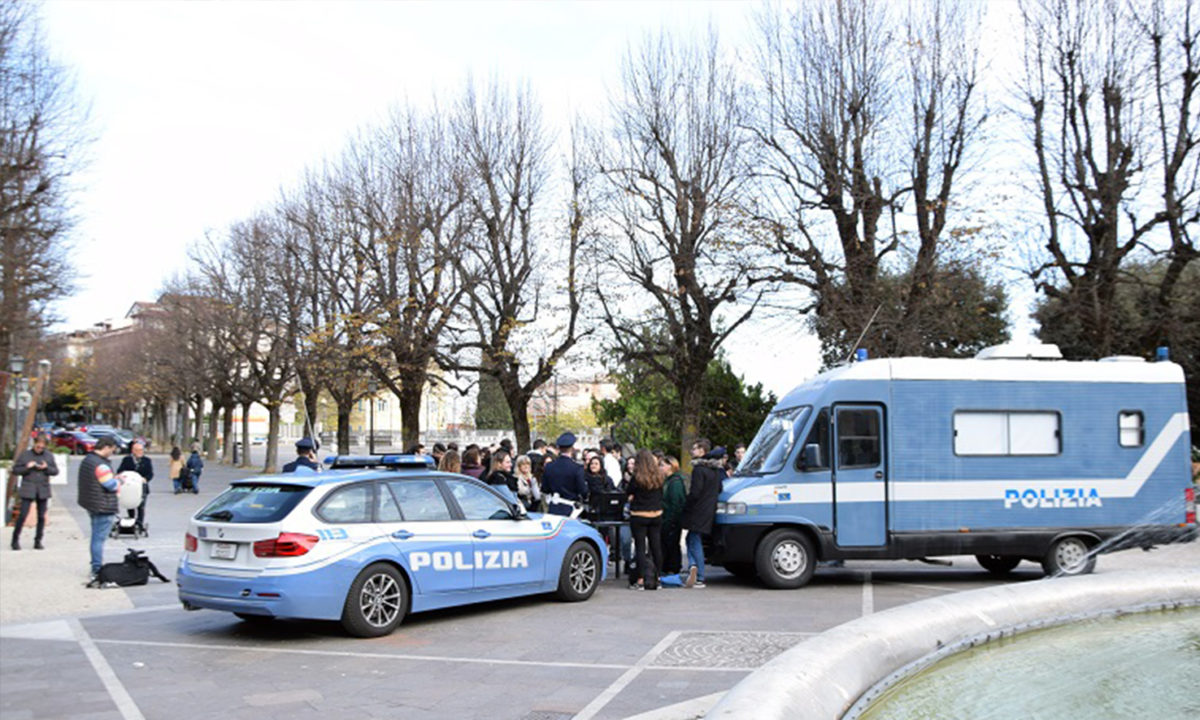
[(93, 580), (691, 577), (636, 587), (699, 584), (37, 545)]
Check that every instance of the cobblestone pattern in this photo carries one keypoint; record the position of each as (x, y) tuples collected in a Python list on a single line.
[(726, 649)]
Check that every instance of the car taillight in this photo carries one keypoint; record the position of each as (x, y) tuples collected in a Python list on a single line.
[(286, 545), (189, 543), (1189, 506)]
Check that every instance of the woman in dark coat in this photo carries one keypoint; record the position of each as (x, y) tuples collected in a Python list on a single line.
[(597, 480), (35, 467), (700, 509), (674, 498)]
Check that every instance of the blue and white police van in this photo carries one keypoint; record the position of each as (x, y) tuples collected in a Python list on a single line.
[(1013, 455), (373, 539)]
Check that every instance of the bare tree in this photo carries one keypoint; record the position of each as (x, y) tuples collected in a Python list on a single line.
[(510, 261), (1087, 95), (676, 166), (39, 148), (403, 193), (834, 108)]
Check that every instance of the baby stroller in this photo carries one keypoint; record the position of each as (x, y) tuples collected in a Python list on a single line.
[(129, 497)]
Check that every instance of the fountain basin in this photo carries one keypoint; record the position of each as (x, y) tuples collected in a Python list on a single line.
[(825, 676)]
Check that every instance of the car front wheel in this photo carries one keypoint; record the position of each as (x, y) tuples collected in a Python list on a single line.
[(580, 573), (376, 603)]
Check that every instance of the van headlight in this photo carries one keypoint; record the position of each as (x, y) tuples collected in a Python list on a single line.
[(733, 508)]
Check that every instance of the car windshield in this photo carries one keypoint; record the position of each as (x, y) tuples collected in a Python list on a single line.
[(254, 503), (774, 441)]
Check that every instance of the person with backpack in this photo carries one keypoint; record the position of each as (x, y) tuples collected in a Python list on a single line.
[(195, 466)]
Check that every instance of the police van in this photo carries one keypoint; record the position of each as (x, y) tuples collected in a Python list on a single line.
[(1013, 455)]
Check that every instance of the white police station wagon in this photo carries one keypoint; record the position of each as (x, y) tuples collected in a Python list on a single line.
[(374, 539)]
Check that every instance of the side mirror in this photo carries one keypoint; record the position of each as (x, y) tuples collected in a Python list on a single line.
[(812, 456), (518, 511)]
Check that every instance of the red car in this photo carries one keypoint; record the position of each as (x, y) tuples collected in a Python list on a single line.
[(79, 443)]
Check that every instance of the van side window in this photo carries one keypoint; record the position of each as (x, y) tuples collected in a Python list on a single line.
[(858, 438), (1131, 428), (1007, 433), (819, 436)]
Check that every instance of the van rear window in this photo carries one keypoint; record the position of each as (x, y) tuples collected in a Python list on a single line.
[(254, 503)]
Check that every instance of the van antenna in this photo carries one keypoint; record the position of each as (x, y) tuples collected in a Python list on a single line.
[(863, 334)]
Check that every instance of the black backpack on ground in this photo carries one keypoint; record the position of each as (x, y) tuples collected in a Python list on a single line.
[(135, 569)]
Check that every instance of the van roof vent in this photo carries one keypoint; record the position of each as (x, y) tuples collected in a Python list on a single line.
[(1123, 358), (1020, 351)]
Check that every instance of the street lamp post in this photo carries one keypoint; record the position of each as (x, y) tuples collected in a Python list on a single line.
[(372, 388), (16, 364)]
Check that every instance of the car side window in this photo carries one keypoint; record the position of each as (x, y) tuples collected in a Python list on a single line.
[(420, 500), (478, 503), (386, 509), (348, 505)]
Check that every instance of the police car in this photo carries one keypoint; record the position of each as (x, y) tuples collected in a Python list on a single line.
[(374, 539)]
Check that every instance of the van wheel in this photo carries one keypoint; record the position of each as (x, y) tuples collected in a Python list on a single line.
[(998, 564), (376, 603), (580, 573), (785, 559), (1068, 556)]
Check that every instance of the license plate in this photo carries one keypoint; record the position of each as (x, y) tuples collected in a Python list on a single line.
[(224, 551)]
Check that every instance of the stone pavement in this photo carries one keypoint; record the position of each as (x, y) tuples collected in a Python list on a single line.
[(74, 653)]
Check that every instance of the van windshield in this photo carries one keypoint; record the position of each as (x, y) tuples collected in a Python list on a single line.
[(254, 503), (774, 441)]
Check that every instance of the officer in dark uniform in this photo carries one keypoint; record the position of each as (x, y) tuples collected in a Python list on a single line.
[(306, 454), (564, 477)]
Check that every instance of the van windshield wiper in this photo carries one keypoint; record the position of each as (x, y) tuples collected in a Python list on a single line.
[(218, 515)]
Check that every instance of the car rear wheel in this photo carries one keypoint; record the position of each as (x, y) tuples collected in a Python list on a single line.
[(1068, 556), (580, 573), (785, 559), (998, 564), (376, 603)]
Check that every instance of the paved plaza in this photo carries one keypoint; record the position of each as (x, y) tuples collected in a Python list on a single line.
[(70, 652)]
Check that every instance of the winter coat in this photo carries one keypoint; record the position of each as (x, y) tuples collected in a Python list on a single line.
[(175, 469), (598, 484), (674, 498), (35, 482), (195, 464), (701, 505), (475, 471), (500, 478), (142, 467)]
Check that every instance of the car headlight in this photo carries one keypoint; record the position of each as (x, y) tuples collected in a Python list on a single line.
[(733, 508)]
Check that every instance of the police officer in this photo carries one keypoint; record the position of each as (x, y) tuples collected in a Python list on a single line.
[(564, 477), (306, 454)]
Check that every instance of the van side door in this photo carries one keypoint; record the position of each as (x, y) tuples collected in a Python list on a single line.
[(859, 476)]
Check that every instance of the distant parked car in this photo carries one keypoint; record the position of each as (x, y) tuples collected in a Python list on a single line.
[(122, 443), (79, 443)]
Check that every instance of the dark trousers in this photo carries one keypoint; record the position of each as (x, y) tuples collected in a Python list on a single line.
[(24, 513), (647, 529), (672, 534)]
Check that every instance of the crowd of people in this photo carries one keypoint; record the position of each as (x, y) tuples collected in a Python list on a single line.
[(665, 510), (661, 503)]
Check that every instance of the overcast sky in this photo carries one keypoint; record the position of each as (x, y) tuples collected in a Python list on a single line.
[(203, 110)]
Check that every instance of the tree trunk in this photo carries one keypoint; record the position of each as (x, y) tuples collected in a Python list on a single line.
[(272, 461), (227, 433), (689, 399), (518, 408), (345, 405), (198, 421), (181, 423), (410, 413), (211, 440), (246, 434)]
